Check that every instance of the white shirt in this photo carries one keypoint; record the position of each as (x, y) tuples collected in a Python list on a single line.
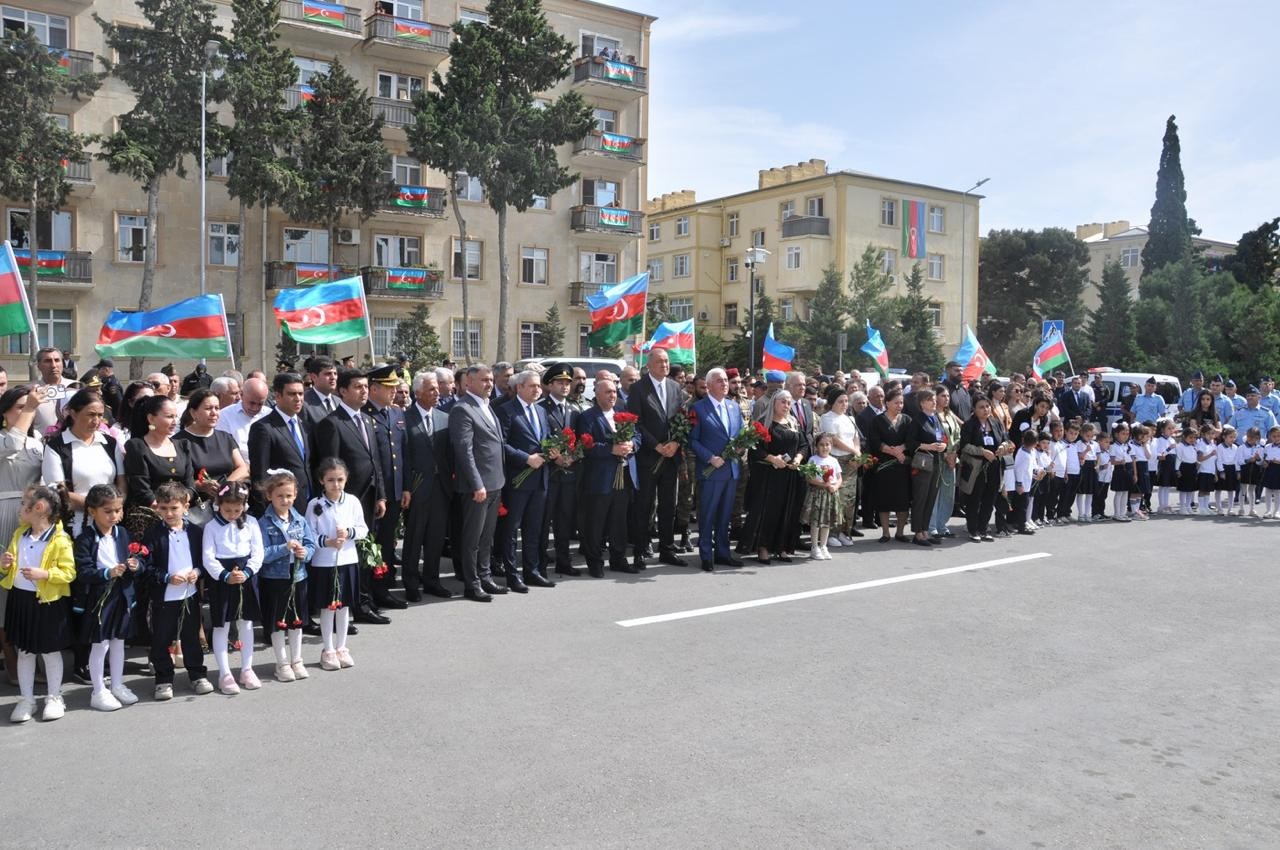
[(484, 408), (1209, 464), (236, 422), (426, 417), (179, 564), (828, 462), (608, 417), (228, 540), (345, 513), (1186, 453), (1024, 468), (843, 427), (89, 466), (30, 554), (658, 385)]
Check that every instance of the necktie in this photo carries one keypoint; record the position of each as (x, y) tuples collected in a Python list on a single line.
[(533, 421), (662, 395), (297, 438), (724, 416), (427, 419), (800, 414), (364, 435)]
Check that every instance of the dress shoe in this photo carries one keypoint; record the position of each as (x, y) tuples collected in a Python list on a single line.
[(638, 562), (645, 553), (498, 570), (729, 562), (352, 631), (367, 614), (671, 559), (312, 629), (412, 594), (854, 532), (515, 584), (625, 568), (538, 580), (568, 571), (595, 572), (389, 601), (475, 596), (783, 557), (437, 590), (684, 543), (706, 567), (490, 587)]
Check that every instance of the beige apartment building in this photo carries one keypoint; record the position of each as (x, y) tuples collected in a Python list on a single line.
[(1123, 243), (808, 218), (406, 254)]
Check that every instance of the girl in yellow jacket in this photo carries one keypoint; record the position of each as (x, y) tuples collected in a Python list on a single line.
[(37, 570)]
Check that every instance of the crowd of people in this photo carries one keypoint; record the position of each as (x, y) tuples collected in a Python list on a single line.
[(176, 514)]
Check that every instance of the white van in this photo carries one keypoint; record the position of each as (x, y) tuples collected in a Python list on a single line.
[(590, 365), (1167, 387)]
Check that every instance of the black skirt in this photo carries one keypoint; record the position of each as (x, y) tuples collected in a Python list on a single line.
[(37, 627), (1271, 476), (1167, 472), (1143, 484), (1206, 482), (229, 602), (1088, 477), (1122, 478), (1187, 477), (110, 616), (1230, 481), (281, 602), (326, 585), (1251, 474)]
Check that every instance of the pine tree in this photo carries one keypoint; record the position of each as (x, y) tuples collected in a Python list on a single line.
[(1256, 262), (418, 338), (1185, 348), (657, 309), (745, 348), (1169, 233), (1111, 333), (827, 320), (257, 73), (869, 288), (161, 63), (711, 348), (552, 339), (34, 150), (913, 343)]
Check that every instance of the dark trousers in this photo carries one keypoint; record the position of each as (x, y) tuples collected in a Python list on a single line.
[(561, 516), (525, 510), (867, 507), (1068, 500), (981, 500), (1100, 499), (924, 492), (164, 630), (605, 516), (473, 550), (1053, 498), (659, 487), (715, 504), (425, 527), (1040, 493), (1018, 510), (386, 537)]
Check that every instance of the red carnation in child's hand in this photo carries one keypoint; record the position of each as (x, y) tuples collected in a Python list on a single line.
[(239, 645), (138, 549), (502, 509), (826, 473), (296, 622), (281, 624), (380, 571)]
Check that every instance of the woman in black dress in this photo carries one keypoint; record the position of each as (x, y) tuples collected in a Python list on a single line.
[(1204, 413), (983, 444), (887, 441), (215, 455), (1036, 417), (926, 443), (152, 459), (774, 512)]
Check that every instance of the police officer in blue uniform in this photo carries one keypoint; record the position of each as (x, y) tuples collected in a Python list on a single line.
[(1229, 391), (1221, 403), (1270, 398), (1253, 415), (1188, 401), (1150, 406)]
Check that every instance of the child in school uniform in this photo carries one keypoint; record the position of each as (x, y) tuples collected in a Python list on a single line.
[(1140, 495), (1250, 460), (1086, 451), (172, 565), (107, 566), (1122, 475), (1166, 445), (1105, 471), (1039, 497), (231, 554), (1188, 463), (1071, 471), (337, 519), (1207, 467), (288, 544), (1228, 471), (1025, 475), (37, 571), (1271, 475)]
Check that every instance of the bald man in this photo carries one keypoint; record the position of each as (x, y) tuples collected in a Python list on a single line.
[(237, 418)]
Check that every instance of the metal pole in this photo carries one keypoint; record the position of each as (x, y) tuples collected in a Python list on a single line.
[(751, 267), (204, 237), (964, 245)]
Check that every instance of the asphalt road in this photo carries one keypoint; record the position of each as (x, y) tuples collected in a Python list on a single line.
[(1122, 692)]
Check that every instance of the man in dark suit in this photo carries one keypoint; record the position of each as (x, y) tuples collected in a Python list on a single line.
[(479, 450), (281, 440), (719, 419), (656, 399), (525, 426), (349, 434), (428, 489), (1073, 403), (389, 429), (322, 398), (562, 491), (605, 509)]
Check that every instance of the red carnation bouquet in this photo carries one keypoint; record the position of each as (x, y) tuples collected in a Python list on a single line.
[(678, 431), (624, 425), (744, 441), (565, 443)]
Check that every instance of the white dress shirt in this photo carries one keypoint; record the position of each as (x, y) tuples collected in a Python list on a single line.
[(236, 422)]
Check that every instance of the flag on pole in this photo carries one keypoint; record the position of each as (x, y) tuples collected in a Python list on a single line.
[(15, 310), (776, 355), (323, 314), (972, 358), (678, 340), (874, 348), (1051, 354), (618, 311), (190, 329)]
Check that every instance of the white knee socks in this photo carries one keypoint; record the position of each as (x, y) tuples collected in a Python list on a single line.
[(287, 646), (295, 645), (278, 647), (103, 651), (1164, 498), (326, 629), (1083, 508), (341, 619), (244, 633), (219, 645), (27, 673), (1120, 505)]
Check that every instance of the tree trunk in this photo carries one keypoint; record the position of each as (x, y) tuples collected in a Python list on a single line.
[(237, 343), (148, 264), (33, 275), (504, 271), (466, 303)]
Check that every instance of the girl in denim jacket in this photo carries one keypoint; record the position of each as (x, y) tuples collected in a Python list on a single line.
[(288, 544)]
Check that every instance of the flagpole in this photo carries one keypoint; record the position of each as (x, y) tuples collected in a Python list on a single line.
[(22, 289), (226, 331), (368, 322), (1066, 351)]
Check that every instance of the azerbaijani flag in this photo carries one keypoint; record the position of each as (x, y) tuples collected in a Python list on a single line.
[(972, 358), (1051, 354), (874, 348), (618, 312), (677, 338), (620, 71), (614, 217), (323, 314), (309, 273), (613, 143), (307, 92), (15, 310), (776, 355), (407, 278), (194, 328), (412, 30), (913, 213), (48, 263), (412, 197), (327, 14)]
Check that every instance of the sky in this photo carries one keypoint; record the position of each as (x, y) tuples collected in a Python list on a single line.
[(1061, 105)]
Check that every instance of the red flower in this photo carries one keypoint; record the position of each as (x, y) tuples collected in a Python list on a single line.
[(762, 431), (201, 476), (826, 473), (296, 622), (380, 571), (281, 624), (502, 509), (238, 645), (625, 418), (138, 549), (588, 442)]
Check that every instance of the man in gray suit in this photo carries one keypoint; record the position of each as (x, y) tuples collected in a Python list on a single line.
[(479, 450)]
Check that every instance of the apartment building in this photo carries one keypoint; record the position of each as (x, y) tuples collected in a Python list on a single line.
[(1122, 242), (809, 218), (410, 252)]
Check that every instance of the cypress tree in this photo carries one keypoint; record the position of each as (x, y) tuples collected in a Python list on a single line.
[(1169, 233), (827, 321), (913, 343), (417, 337), (552, 340)]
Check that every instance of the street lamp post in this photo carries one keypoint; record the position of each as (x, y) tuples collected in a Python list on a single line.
[(751, 259), (964, 244), (210, 50)]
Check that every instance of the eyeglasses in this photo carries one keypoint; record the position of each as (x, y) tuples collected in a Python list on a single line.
[(155, 385)]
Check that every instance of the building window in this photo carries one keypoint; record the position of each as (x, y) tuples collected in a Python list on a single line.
[(468, 263), (462, 335), (680, 265), (403, 171), (411, 9), (731, 315), (757, 238), (788, 209), (473, 16), (681, 309), (530, 339), (786, 309), (793, 258), (308, 68), (131, 237), (600, 193), (49, 30), (655, 231), (682, 226), (731, 270), (935, 267), (384, 335), (540, 202), (655, 270), (606, 119), (224, 243), (53, 327), (52, 229), (398, 86), (888, 212), (391, 251), (469, 188), (937, 219), (584, 347), (733, 224), (1130, 258), (935, 315), (306, 246), (598, 267), (533, 267), (217, 166), (815, 207), (593, 44), (888, 260)]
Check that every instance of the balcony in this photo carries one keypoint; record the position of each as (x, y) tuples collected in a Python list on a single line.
[(580, 290), (71, 63), (284, 274), (597, 78), (80, 177), (418, 200), (394, 113), (405, 283), (602, 148), (319, 25), (389, 37), (613, 220), (56, 267), (295, 96), (806, 225)]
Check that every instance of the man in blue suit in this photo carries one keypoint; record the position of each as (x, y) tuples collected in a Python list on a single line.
[(525, 424), (719, 420), (604, 509)]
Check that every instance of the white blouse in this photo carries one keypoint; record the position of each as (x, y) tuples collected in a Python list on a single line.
[(843, 426), (90, 465), (325, 518), (224, 539)]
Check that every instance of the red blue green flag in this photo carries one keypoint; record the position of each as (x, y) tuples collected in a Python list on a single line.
[(15, 311), (618, 311), (190, 329), (326, 14), (913, 228)]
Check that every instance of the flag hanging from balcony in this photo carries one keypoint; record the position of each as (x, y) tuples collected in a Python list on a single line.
[(307, 92), (64, 61), (776, 355), (408, 30), (678, 340), (874, 348), (324, 314), (189, 329), (48, 263), (326, 14), (613, 143), (1051, 354), (412, 197), (614, 217), (415, 279), (618, 311), (913, 229), (620, 72), (15, 310), (311, 273), (972, 358)]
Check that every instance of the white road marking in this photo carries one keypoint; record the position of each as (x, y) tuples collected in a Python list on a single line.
[(826, 591)]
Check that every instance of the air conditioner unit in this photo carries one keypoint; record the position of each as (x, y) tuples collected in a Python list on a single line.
[(348, 236), (704, 316), (725, 241)]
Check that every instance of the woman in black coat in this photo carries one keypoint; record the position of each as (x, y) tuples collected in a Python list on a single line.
[(926, 443), (983, 445), (888, 442), (1035, 417)]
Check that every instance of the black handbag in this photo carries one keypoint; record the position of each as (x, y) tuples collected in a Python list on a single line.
[(922, 461)]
